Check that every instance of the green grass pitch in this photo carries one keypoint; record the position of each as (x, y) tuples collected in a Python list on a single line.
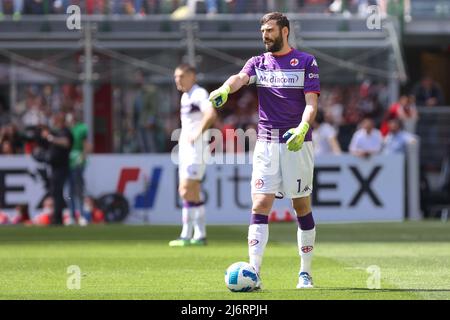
[(135, 262)]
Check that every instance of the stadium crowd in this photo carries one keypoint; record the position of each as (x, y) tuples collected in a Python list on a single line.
[(17, 8), (343, 110)]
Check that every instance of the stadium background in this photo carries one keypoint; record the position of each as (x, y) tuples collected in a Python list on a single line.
[(117, 71)]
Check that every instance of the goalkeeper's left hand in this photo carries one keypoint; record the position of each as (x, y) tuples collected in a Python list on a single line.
[(296, 136)]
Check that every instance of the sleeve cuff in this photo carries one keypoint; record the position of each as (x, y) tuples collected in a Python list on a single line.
[(318, 92)]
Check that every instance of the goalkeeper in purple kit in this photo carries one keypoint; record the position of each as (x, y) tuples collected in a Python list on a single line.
[(288, 88)]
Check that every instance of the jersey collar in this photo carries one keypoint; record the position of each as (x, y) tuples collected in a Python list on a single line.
[(283, 55), (192, 89)]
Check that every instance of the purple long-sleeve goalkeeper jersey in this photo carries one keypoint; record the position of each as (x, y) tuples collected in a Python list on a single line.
[(282, 82)]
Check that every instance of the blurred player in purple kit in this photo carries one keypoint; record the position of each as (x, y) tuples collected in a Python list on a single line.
[(288, 88)]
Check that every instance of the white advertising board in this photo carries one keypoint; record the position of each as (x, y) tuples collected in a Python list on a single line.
[(346, 188)]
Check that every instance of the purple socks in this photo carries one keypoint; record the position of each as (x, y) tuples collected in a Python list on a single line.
[(306, 222), (188, 204), (259, 219)]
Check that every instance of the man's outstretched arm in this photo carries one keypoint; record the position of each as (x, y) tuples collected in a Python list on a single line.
[(220, 96)]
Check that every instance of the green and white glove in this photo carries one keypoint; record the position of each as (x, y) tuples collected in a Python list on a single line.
[(296, 136), (220, 96)]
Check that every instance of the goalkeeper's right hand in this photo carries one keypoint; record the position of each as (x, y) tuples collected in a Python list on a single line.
[(219, 97)]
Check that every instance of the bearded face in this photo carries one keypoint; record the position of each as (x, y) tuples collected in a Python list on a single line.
[(275, 44), (272, 36)]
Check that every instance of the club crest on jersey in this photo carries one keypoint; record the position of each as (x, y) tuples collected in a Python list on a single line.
[(294, 62), (253, 242), (259, 184), (306, 249)]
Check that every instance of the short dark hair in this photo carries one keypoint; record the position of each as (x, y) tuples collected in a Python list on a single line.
[(281, 19), (186, 67)]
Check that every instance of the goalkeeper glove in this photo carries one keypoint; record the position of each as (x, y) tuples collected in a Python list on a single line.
[(219, 97), (296, 136)]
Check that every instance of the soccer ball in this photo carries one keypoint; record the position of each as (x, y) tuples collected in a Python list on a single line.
[(241, 277)]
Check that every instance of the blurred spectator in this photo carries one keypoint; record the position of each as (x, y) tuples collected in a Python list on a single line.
[(340, 6), (17, 8), (9, 133), (324, 137), (334, 108), (60, 6), (360, 7), (368, 103), (397, 140), (96, 6), (22, 215), (135, 7), (428, 93), (78, 157), (37, 7), (45, 217), (4, 218), (35, 115), (153, 6), (382, 94), (5, 117), (25, 98), (211, 6), (60, 141), (245, 6), (139, 7), (352, 114), (405, 111), (241, 6), (352, 117), (70, 98), (408, 115), (364, 5), (96, 214), (129, 141), (6, 148), (52, 99), (366, 141)]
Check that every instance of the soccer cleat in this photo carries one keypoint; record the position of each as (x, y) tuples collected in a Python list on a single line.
[(179, 243), (304, 281), (198, 242)]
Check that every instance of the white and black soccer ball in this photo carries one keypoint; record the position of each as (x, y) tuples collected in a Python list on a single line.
[(241, 277)]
